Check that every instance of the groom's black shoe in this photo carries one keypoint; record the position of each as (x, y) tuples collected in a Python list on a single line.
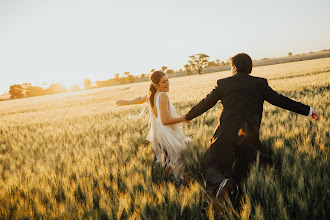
[(225, 188), (224, 193)]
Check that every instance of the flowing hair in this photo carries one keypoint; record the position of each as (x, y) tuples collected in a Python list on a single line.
[(154, 78)]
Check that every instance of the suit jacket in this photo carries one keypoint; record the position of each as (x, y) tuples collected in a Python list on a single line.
[(242, 97)]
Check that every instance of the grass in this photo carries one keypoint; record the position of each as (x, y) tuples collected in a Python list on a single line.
[(78, 155)]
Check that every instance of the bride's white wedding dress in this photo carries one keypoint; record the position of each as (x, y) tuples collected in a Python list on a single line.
[(167, 140)]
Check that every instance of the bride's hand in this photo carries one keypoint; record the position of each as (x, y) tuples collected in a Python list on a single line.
[(120, 102), (187, 122)]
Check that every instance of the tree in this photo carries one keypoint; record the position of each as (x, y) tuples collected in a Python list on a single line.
[(34, 91), (26, 86), (126, 73), (143, 75), (116, 75), (87, 83), (130, 78), (152, 70), (212, 64), (98, 83), (290, 54), (169, 71), (217, 61), (74, 87), (198, 62), (187, 67), (16, 91), (56, 88), (164, 68)]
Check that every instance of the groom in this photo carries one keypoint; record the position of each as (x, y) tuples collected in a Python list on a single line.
[(236, 138)]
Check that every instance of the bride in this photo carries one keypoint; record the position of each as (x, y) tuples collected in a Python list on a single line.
[(165, 135)]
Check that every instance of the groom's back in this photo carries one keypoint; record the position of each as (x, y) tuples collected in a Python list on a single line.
[(242, 92)]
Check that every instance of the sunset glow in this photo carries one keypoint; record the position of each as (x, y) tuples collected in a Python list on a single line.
[(61, 41)]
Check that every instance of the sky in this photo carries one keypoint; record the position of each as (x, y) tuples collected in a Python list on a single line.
[(47, 41)]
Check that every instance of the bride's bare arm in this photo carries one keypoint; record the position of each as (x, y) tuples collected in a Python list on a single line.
[(164, 112), (139, 100)]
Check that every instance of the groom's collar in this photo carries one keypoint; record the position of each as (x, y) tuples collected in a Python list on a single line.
[(242, 74)]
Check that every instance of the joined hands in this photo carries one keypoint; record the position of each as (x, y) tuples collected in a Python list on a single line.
[(188, 122)]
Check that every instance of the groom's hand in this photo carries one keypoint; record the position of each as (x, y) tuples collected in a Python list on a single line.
[(187, 122), (315, 115)]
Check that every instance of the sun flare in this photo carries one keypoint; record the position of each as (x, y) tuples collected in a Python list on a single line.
[(71, 85)]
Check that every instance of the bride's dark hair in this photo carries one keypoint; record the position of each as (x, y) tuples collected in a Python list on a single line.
[(154, 78)]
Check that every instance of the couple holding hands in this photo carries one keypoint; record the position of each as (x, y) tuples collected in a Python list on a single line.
[(236, 137)]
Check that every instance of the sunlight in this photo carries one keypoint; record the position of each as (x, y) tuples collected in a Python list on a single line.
[(66, 83), (71, 85)]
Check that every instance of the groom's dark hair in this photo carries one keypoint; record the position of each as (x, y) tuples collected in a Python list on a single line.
[(242, 62)]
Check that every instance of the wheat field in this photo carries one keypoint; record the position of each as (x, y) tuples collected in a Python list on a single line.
[(79, 156)]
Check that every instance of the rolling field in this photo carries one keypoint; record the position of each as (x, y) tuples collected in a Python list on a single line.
[(78, 155)]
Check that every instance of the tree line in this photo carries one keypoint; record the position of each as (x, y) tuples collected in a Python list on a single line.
[(27, 90), (196, 62)]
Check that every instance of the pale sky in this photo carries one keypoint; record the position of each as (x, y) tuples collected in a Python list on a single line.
[(68, 40)]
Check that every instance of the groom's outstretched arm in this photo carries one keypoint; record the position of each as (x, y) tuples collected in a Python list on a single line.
[(284, 102), (208, 102)]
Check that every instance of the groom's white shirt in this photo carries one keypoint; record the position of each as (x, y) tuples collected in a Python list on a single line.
[(310, 111)]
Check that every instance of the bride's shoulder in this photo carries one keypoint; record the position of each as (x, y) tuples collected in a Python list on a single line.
[(163, 96)]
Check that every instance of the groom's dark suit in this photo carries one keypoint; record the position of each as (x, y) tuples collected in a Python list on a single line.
[(237, 131)]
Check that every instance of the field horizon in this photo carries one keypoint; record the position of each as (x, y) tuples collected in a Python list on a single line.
[(256, 63), (78, 155)]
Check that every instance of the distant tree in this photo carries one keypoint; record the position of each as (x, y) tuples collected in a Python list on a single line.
[(75, 87), (212, 64), (164, 68), (180, 70), (55, 88), (35, 91), (87, 83), (98, 83), (130, 78), (126, 73), (187, 68), (223, 63), (169, 71), (143, 75), (26, 86), (290, 54), (198, 62), (217, 61), (152, 70), (16, 91), (116, 75)]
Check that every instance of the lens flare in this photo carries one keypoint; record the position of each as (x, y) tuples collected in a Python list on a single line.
[(241, 132)]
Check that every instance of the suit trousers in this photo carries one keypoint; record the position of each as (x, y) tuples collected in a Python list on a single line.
[(245, 154)]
